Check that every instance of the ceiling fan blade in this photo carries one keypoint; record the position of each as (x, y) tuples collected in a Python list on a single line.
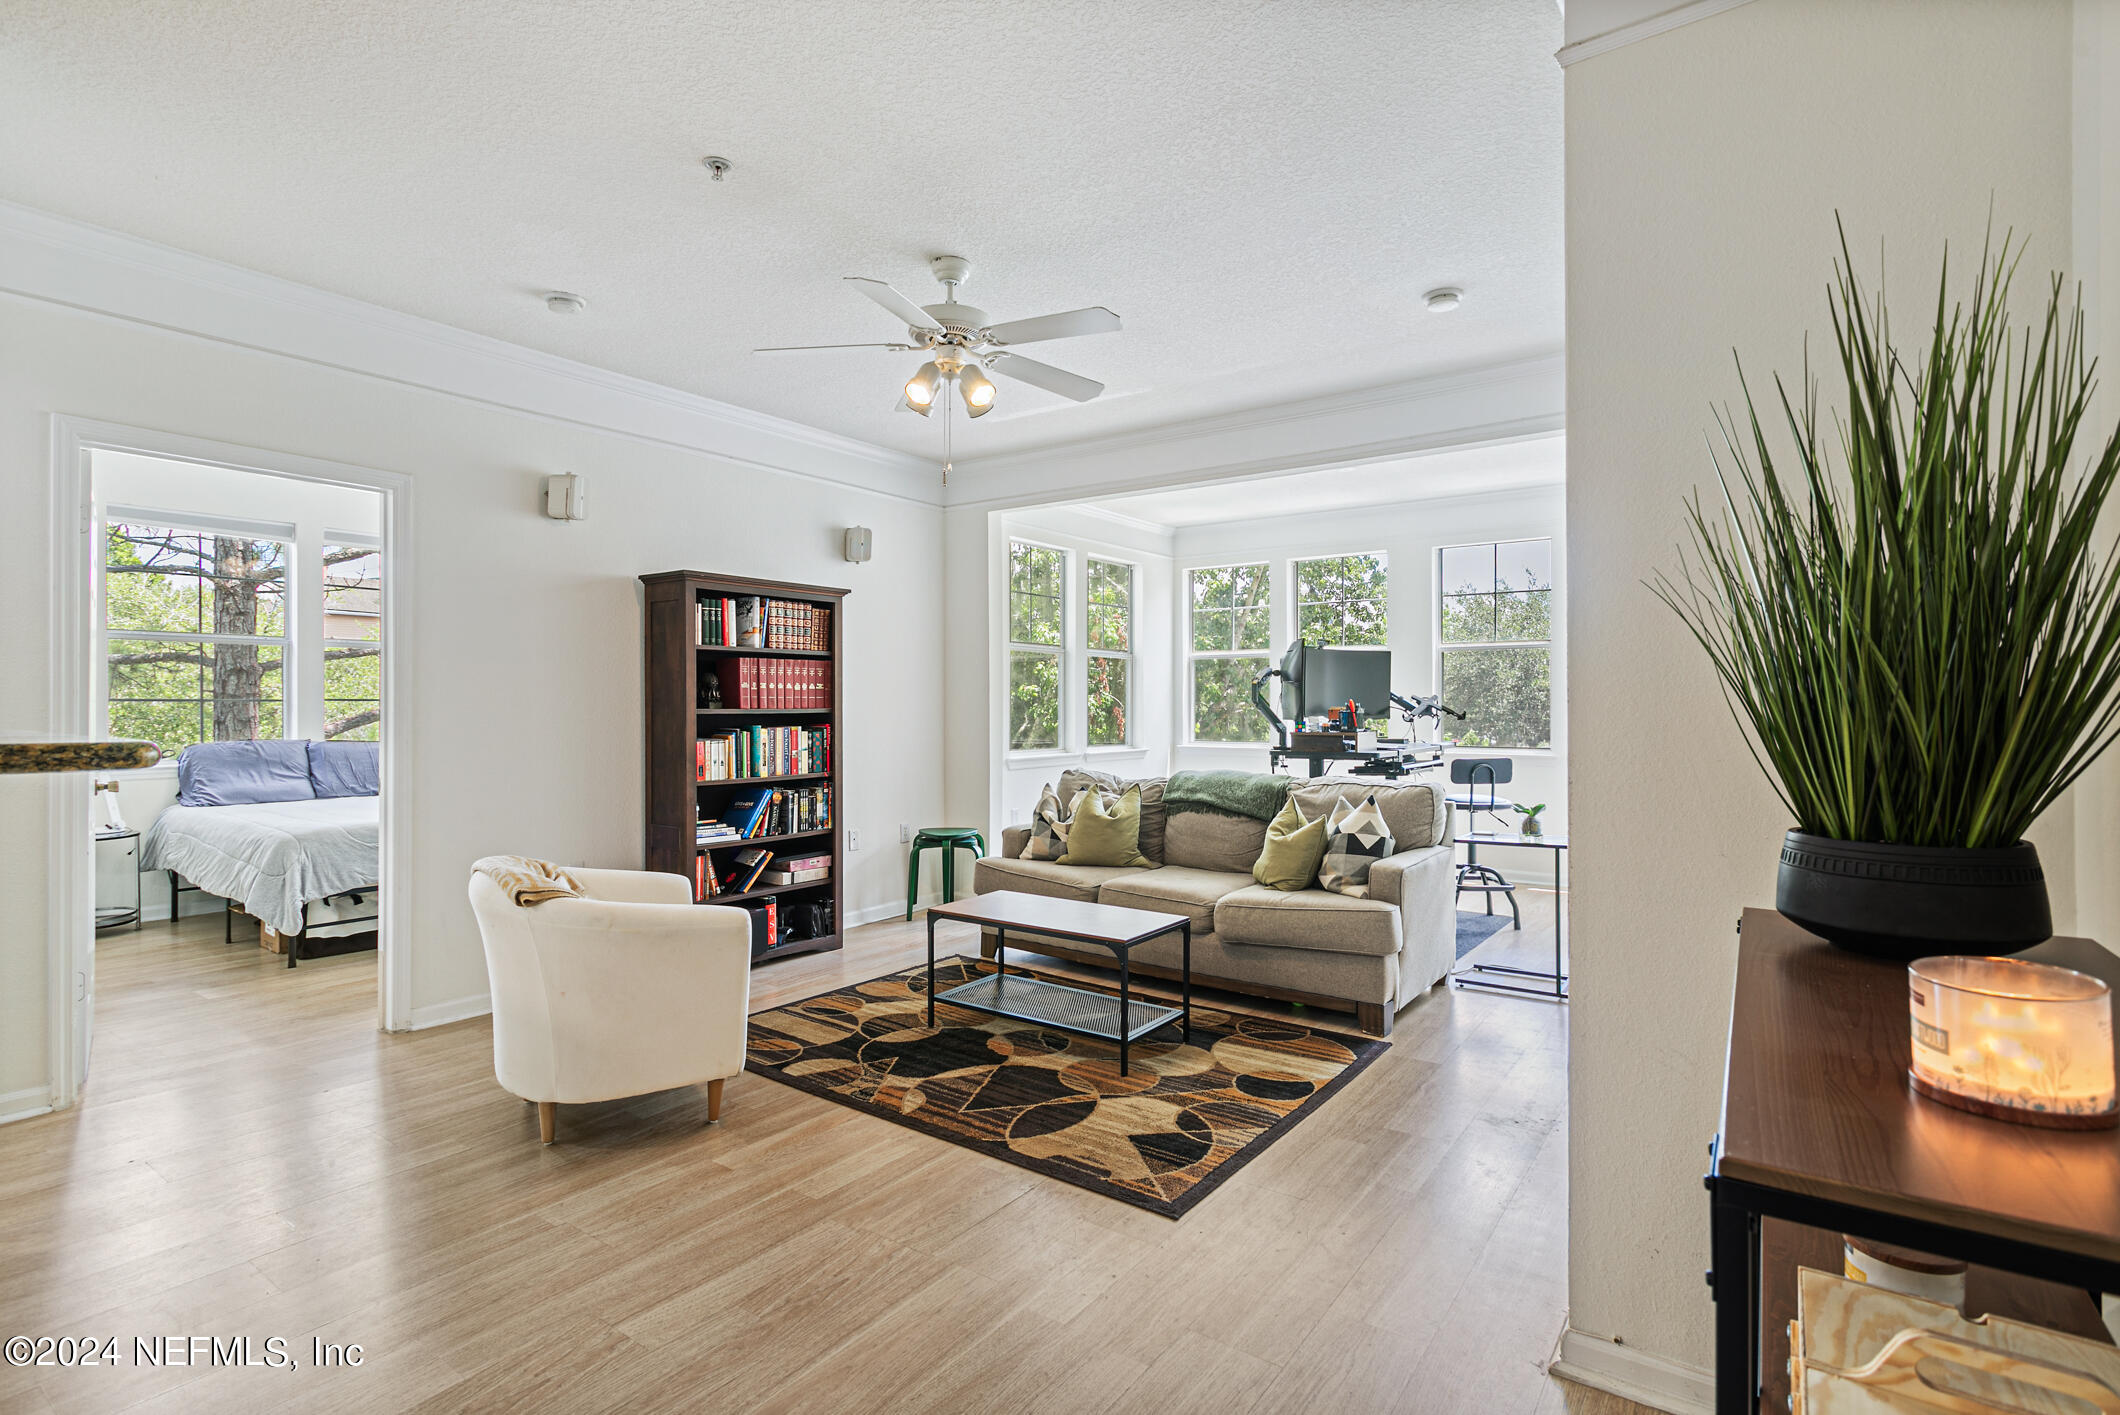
[(805, 348), (1052, 380), (909, 314), (1094, 320)]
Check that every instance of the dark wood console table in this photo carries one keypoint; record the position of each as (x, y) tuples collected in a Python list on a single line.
[(1820, 1136)]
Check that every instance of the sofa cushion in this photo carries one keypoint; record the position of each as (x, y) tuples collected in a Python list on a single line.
[(1107, 831), (1175, 889), (1307, 918), (1050, 821), (1050, 878), (1416, 813), (1209, 840), (1356, 837), (1076, 778), (1288, 861)]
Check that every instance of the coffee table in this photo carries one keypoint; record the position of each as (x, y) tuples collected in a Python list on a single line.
[(1077, 1010)]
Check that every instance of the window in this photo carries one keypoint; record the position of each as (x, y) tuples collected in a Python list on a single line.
[(1110, 619), (1230, 632), (1341, 600), (353, 643), (195, 635), (1496, 618), (1037, 591)]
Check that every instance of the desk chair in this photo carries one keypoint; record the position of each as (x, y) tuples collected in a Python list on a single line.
[(1479, 776)]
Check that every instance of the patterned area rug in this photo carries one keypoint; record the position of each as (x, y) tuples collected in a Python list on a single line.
[(1161, 1138)]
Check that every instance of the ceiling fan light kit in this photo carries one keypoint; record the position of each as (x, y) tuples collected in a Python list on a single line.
[(962, 345)]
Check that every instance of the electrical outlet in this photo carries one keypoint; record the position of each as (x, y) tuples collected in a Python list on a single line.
[(853, 838), (905, 835)]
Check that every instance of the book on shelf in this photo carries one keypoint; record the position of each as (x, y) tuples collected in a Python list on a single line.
[(750, 864), (777, 684), (787, 877), (743, 752)]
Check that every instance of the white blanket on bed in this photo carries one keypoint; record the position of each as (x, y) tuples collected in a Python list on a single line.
[(273, 857)]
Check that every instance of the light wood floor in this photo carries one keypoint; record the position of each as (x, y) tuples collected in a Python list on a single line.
[(252, 1158)]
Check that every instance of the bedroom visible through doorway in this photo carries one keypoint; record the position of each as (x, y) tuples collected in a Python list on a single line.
[(238, 621)]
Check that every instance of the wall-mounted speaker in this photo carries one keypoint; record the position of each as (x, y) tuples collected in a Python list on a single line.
[(563, 498), (857, 543)]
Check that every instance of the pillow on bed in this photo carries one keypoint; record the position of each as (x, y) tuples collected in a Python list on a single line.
[(345, 768), (243, 773)]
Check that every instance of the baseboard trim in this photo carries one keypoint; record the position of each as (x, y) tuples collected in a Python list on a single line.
[(877, 912), (1655, 1381), (439, 1014), (24, 1104)]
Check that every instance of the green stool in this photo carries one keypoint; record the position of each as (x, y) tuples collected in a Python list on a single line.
[(949, 839)]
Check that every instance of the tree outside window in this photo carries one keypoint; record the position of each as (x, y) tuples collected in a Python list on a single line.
[(1037, 591), (353, 643), (1342, 599), (1228, 642), (1110, 619), (1495, 623), (195, 632)]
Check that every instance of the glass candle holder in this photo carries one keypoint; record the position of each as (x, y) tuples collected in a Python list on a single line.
[(2020, 1041)]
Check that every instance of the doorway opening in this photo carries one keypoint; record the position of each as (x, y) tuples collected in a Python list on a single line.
[(243, 612)]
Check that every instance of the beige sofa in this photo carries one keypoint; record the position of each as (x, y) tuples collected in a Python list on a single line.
[(1370, 956)]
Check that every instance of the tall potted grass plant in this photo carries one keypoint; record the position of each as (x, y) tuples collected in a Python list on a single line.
[(1913, 615)]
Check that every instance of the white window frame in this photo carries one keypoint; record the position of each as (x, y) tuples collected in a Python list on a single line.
[(1010, 647), (1126, 655), (1295, 586), (1442, 649), (292, 678), (1192, 655)]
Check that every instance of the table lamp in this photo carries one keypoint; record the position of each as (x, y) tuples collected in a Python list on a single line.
[(2015, 1040)]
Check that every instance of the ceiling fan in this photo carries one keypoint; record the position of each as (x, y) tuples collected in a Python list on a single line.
[(961, 345)]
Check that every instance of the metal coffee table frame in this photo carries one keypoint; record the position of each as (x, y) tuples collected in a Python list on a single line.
[(1035, 1000)]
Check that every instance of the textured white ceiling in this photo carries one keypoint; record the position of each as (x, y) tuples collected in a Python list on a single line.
[(1460, 472), (1264, 192)]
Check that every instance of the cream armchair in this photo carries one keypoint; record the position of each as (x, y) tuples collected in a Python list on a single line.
[(630, 990)]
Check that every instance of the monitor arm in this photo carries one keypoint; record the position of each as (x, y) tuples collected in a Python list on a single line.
[(1258, 700), (1414, 709)]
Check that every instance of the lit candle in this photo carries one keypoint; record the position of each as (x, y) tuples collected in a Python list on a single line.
[(2019, 1041)]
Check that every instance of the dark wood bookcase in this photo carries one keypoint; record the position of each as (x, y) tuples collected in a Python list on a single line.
[(677, 801)]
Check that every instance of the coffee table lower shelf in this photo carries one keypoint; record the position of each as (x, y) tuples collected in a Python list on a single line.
[(1065, 1009)]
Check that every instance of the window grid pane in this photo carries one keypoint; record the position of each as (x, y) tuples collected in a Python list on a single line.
[(1342, 600), (1111, 594), (1107, 701), (1494, 623), (1222, 706), (1033, 700), (1037, 580)]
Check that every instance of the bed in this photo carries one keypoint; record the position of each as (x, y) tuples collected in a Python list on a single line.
[(288, 830)]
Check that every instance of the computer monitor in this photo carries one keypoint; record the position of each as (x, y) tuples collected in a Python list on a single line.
[(1328, 677)]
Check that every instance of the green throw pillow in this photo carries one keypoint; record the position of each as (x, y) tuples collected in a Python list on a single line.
[(1107, 831), (1294, 846)]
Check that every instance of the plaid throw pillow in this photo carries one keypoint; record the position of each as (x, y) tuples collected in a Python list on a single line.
[(1049, 826), (1355, 838)]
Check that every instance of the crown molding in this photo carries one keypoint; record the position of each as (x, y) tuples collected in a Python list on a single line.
[(60, 261), (1120, 518), (1620, 36), (1502, 402)]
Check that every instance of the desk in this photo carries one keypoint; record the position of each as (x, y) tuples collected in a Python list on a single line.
[(1558, 844), (1389, 764), (1819, 1128)]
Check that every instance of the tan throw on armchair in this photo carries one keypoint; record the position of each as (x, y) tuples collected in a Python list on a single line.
[(631, 988)]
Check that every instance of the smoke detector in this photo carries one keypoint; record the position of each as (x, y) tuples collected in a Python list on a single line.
[(560, 302), (1443, 297)]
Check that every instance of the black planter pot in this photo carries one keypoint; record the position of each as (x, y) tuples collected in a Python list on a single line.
[(1909, 901)]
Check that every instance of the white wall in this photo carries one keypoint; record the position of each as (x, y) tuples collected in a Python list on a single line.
[(526, 670), (1409, 535), (1082, 533), (1705, 166), (314, 510)]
